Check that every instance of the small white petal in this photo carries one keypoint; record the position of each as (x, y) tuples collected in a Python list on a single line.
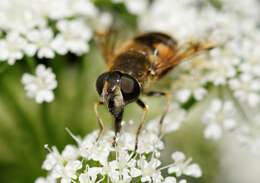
[(193, 170), (183, 95), (229, 124), (178, 156), (170, 180), (213, 131), (183, 181)]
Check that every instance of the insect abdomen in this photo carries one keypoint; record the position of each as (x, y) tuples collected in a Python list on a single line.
[(153, 39), (162, 47)]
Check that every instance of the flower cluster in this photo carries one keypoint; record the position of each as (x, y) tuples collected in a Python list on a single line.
[(172, 122), (219, 115), (98, 161), (233, 65), (136, 7), (44, 27), (41, 85)]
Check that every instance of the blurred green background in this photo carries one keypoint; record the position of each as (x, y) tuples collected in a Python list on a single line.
[(26, 126)]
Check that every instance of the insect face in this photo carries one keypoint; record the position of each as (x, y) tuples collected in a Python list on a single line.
[(117, 90)]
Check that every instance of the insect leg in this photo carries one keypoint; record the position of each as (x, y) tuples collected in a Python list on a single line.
[(165, 110), (100, 122), (145, 108)]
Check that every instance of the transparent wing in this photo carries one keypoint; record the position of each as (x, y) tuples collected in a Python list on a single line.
[(182, 53), (110, 40)]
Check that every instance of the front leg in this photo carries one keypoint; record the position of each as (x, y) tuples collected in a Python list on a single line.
[(145, 108), (100, 122), (165, 110)]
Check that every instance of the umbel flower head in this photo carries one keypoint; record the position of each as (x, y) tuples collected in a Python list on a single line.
[(231, 69), (98, 161), (25, 28), (41, 85)]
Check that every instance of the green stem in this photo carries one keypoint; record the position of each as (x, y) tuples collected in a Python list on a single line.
[(216, 3), (58, 65), (220, 92), (7, 137), (23, 121), (16, 146), (3, 67), (46, 124), (31, 62)]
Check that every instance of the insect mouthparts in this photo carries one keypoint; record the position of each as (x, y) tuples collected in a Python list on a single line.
[(111, 89)]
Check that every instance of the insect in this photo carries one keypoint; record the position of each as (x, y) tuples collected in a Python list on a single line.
[(133, 67)]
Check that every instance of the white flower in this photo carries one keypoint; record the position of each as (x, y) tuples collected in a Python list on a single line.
[(213, 131), (246, 89), (233, 28), (181, 166), (149, 170), (11, 48), (90, 149), (41, 85), (90, 176), (251, 66), (48, 179), (67, 172), (60, 9), (126, 141), (70, 153), (81, 7), (124, 167), (123, 160), (219, 114), (74, 36), (170, 180), (41, 39), (136, 6), (54, 157), (222, 67), (185, 93), (33, 22), (149, 142), (94, 161), (103, 21), (248, 134), (183, 181), (172, 121), (16, 15)]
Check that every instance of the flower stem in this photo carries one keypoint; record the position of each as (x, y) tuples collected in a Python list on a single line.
[(22, 120), (31, 62), (47, 127), (238, 105), (3, 67), (220, 93)]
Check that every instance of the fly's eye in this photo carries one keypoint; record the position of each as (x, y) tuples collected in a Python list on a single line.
[(101, 81), (130, 88), (127, 84)]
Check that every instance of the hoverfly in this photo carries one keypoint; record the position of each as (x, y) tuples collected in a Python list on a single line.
[(133, 67)]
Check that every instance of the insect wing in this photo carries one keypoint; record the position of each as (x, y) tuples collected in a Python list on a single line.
[(110, 41), (170, 60)]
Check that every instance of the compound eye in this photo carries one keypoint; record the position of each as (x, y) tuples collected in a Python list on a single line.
[(127, 84), (130, 88), (101, 81)]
